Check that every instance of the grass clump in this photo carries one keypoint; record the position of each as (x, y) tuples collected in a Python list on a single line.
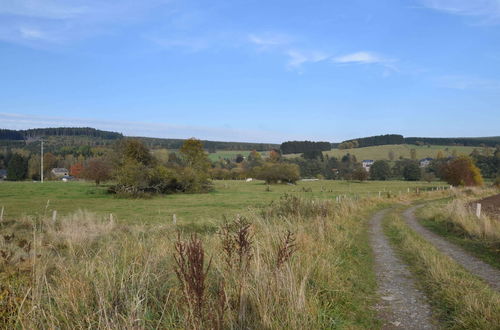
[(461, 300)]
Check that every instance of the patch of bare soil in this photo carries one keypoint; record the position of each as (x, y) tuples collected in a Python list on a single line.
[(402, 305), (489, 205), (474, 265)]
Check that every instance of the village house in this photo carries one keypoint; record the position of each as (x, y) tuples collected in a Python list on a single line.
[(59, 172), (425, 162), (367, 163)]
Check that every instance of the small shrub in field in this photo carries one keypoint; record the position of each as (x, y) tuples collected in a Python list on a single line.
[(277, 172)]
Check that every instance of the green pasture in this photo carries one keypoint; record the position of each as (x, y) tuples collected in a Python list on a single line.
[(228, 198)]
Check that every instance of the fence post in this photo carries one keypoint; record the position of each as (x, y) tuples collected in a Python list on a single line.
[(54, 216), (174, 219), (1, 215), (478, 210)]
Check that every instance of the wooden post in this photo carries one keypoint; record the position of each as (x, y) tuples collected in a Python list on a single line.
[(478, 210), (174, 219), (1, 215), (54, 216), (111, 217)]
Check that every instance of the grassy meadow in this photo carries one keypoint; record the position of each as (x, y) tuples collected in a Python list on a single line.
[(228, 198), (293, 257)]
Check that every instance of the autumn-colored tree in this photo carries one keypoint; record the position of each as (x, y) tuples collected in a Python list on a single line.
[(97, 170), (133, 149), (462, 171), (440, 155), (76, 170), (274, 156), (49, 162)]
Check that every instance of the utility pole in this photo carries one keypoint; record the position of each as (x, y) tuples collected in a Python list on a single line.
[(41, 163)]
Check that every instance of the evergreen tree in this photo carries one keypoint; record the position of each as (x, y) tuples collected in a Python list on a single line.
[(18, 168)]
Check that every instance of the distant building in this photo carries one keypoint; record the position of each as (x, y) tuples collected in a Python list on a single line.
[(3, 174), (59, 172), (367, 163), (425, 162)]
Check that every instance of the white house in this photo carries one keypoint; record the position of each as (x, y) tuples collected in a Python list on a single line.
[(367, 163), (425, 162), (59, 172)]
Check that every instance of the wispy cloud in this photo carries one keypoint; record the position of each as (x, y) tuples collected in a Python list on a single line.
[(488, 11), (269, 39), (161, 130), (466, 83), (57, 21), (359, 58), (297, 57)]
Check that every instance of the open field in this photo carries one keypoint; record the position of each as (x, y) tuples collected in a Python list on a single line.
[(400, 150), (228, 198)]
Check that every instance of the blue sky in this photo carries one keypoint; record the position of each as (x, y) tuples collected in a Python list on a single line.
[(264, 71)]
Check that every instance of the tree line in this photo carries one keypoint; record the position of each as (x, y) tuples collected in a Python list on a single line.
[(34, 133), (298, 147)]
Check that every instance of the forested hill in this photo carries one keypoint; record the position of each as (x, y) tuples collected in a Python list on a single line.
[(35, 133), (76, 136), (399, 139)]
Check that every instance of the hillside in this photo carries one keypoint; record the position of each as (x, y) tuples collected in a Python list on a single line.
[(399, 150)]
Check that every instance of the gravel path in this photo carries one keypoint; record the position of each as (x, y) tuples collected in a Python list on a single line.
[(402, 305), (474, 265)]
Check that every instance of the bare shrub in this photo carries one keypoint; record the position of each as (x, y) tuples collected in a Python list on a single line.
[(286, 249), (189, 258)]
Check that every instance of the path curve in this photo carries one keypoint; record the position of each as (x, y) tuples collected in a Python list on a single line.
[(474, 265), (402, 305)]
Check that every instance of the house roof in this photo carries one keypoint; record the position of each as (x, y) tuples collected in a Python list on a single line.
[(428, 158), (368, 161), (60, 170)]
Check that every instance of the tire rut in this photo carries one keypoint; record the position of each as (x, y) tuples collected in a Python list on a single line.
[(474, 265), (402, 305)]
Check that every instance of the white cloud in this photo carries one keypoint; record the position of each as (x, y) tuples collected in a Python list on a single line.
[(297, 57), (487, 10), (49, 21), (269, 39), (466, 82), (359, 58)]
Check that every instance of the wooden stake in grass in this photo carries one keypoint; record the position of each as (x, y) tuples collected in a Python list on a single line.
[(478, 210), (1, 214), (54, 217)]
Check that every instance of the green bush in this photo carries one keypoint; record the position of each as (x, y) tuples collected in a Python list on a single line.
[(277, 173)]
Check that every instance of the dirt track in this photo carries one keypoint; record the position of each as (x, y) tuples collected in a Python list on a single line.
[(477, 267), (402, 305)]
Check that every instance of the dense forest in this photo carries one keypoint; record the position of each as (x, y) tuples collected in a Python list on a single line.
[(35, 133), (378, 140), (298, 147)]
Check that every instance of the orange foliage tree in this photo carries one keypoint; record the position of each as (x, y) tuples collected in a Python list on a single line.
[(461, 171), (76, 169)]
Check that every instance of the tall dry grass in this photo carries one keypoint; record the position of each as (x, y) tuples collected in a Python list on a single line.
[(459, 215), (296, 264)]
